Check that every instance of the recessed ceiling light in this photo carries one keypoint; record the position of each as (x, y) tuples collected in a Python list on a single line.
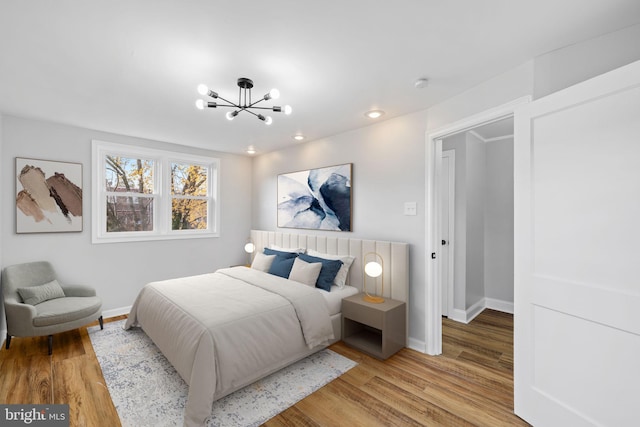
[(298, 137), (374, 114), (251, 149)]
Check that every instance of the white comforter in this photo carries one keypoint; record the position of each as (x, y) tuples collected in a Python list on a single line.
[(224, 330)]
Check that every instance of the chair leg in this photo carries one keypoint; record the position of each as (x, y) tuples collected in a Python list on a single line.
[(101, 322), (8, 341), (50, 344)]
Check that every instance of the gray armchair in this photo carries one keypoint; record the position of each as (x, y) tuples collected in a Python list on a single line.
[(36, 305)]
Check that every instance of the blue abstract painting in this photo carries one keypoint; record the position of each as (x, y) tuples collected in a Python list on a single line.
[(318, 199)]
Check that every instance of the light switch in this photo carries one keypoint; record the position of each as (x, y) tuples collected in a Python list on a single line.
[(410, 208)]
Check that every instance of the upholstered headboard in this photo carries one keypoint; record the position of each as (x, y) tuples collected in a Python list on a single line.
[(395, 257)]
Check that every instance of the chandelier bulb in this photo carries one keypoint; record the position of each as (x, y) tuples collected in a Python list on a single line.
[(287, 109), (203, 89), (274, 93), (231, 115), (200, 104), (268, 120)]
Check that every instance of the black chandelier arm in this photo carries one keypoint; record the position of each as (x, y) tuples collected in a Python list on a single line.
[(254, 103), (274, 108), (223, 105), (260, 116), (231, 104), (245, 107)]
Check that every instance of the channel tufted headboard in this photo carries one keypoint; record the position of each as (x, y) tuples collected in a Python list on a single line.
[(395, 257)]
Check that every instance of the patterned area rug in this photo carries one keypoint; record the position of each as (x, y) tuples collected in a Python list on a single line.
[(147, 391)]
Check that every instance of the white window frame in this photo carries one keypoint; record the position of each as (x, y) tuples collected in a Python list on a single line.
[(161, 193)]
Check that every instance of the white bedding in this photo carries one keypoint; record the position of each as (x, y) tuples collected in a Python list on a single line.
[(224, 330), (334, 298)]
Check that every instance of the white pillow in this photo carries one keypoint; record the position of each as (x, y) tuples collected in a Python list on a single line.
[(343, 273), (280, 248), (262, 262), (305, 272)]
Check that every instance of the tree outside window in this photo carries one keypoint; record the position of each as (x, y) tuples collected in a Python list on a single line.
[(147, 194), (130, 198), (189, 205)]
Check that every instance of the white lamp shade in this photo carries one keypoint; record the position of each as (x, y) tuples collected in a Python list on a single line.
[(373, 269), (249, 248)]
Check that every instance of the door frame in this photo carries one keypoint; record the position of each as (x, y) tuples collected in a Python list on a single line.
[(433, 163), (450, 246)]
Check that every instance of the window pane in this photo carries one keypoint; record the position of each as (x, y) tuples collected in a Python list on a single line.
[(129, 214), (123, 174), (189, 180), (188, 214)]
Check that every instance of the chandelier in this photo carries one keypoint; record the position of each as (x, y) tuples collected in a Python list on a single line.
[(244, 101)]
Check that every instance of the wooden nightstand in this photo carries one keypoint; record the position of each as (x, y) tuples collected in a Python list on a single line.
[(380, 330)]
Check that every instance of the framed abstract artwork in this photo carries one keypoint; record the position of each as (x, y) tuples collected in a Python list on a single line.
[(48, 196), (318, 199)]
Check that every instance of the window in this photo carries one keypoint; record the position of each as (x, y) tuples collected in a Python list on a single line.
[(147, 194)]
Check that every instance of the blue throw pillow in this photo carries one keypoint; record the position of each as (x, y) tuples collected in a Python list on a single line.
[(282, 254), (328, 272), (281, 266)]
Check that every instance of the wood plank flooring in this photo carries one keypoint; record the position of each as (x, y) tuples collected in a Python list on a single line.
[(70, 375), (470, 384)]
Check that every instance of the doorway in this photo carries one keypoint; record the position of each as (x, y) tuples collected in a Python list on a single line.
[(476, 262), (433, 291)]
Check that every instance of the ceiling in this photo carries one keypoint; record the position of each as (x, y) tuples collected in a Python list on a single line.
[(132, 67), (495, 130)]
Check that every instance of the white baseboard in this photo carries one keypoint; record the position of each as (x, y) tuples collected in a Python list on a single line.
[(458, 315), (475, 309), (417, 345), (116, 312), (466, 316), (499, 305)]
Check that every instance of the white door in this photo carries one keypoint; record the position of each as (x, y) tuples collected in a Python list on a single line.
[(577, 254), (447, 203)]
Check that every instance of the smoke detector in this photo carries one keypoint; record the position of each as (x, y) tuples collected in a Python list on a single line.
[(421, 83)]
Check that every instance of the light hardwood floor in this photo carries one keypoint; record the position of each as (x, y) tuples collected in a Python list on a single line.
[(470, 384)]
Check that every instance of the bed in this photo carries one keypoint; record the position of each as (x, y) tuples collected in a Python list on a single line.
[(227, 329)]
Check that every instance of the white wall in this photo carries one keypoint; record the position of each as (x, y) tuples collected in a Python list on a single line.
[(458, 143), (476, 196), (572, 64), (498, 239), (388, 170), (506, 87), (117, 270), (483, 221)]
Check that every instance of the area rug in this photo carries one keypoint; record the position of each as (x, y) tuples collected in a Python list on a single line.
[(147, 391)]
